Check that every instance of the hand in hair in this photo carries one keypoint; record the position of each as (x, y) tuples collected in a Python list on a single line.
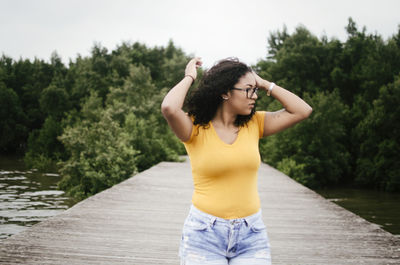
[(191, 67), (261, 83)]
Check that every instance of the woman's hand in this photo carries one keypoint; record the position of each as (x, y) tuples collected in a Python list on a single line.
[(261, 83), (171, 107), (295, 109), (191, 67)]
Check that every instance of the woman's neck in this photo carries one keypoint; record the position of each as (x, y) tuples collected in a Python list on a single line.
[(224, 118)]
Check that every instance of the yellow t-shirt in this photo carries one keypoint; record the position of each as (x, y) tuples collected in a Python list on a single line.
[(225, 176)]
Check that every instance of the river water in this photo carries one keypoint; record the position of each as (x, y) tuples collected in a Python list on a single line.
[(382, 208), (27, 196)]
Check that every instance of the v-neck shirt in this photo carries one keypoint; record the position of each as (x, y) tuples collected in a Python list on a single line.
[(225, 175)]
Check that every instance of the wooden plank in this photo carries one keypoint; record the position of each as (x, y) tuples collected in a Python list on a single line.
[(139, 221)]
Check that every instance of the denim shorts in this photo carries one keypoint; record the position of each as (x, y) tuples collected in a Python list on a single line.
[(207, 239)]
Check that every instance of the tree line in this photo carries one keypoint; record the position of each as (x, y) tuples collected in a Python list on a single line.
[(98, 118), (352, 137)]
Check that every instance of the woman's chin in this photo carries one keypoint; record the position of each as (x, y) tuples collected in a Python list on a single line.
[(245, 113)]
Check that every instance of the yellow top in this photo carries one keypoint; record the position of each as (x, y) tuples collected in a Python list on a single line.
[(225, 175)]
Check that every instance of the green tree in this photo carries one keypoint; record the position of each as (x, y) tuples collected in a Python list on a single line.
[(135, 139), (136, 104), (353, 71), (44, 148), (12, 119), (28, 79), (54, 101), (366, 63), (378, 163), (312, 150), (100, 154), (300, 61)]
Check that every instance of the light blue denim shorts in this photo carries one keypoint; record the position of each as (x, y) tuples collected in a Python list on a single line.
[(207, 239)]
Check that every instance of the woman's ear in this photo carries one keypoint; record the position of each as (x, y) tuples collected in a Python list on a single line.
[(225, 96)]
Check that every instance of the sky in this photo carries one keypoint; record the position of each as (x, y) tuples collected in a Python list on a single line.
[(210, 29)]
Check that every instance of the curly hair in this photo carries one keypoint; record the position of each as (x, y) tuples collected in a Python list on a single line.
[(202, 103)]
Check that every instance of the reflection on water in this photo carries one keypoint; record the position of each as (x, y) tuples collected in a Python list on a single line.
[(382, 208), (27, 197)]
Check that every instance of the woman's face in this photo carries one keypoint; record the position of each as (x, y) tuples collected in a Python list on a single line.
[(240, 102)]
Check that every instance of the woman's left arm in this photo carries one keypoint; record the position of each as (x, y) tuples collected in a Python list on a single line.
[(295, 109)]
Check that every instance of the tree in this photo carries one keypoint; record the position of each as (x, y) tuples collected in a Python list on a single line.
[(349, 76), (12, 119), (99, 152), (43, 147), (109, 142), (54, 101), (313, 150), (136, 106), (378, 163), (300, 61)]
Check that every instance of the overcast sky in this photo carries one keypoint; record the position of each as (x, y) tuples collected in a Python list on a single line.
[(211, 29)]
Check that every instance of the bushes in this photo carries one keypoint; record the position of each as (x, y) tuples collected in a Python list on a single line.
[(296, 171), (107, 144), (100, 155)]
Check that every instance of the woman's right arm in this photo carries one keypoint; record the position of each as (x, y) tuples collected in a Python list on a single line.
[(171, 107)]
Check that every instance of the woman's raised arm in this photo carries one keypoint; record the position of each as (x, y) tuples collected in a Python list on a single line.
[(171, 107), (295, 109)]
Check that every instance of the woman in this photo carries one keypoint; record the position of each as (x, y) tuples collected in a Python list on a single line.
[(221, 132)]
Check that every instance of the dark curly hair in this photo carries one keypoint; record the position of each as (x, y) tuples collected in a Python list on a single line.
[(202, 103)]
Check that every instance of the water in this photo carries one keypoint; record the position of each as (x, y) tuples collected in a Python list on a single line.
[(27, 197), (382, 208)]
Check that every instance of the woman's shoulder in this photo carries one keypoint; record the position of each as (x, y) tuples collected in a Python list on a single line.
[(258, 116), (257, 122), (197, 129)]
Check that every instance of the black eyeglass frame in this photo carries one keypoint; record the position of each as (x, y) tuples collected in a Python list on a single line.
[(254, 90)]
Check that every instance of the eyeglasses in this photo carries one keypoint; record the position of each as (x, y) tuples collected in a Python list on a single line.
[(251, 90)]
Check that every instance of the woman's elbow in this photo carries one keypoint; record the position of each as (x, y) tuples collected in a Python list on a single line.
[(307, 111), (167, 110)]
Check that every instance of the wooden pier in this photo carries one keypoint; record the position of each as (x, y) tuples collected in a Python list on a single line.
[(139, 222)]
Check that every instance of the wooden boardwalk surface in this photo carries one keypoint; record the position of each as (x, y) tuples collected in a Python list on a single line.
[(139, 222)]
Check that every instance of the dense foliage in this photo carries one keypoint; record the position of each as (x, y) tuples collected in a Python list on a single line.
[(352, 137), (99, 116)]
